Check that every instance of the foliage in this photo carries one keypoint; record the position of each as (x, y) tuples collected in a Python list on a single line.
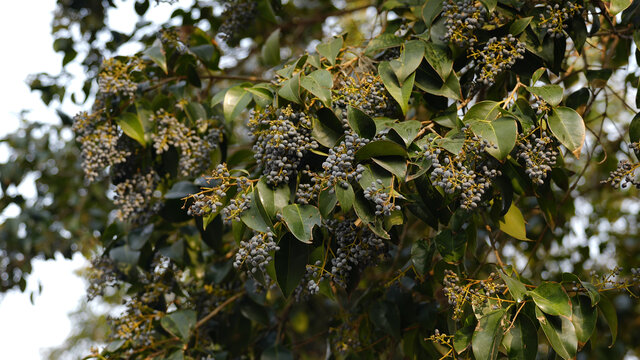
[(405, 188)]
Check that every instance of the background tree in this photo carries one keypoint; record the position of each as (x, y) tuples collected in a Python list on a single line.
[(433, 179)]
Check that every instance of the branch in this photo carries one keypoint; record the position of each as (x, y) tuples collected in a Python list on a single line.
[(218, 309)]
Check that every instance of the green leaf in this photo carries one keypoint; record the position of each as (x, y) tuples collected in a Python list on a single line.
[(488, 335), (253, 218), (422, 255), (450, 88), (584, 318), (462, 338), (394, 164), (125, 254), (439, 60), (271, 49), (552, 94), (513, 223), (327, 128), (180, 323), (290, 89), (486, 110), (382, 42), (560, 332), (319, 83), (262, 94), (409, 60), (551, 298), (290, 263), (521, 341), (361, 123), (609, 312), (634, 128), (301, 219), (207, 53), (330, 49), (407, 130), (537, 75), (345, 196), (236, 99), (327, 201), (380, 148), (617, 6), (401, 93), (132, 126), (451, 246), (501, 133), (519, 25), (156, 54), (568, 127), (592, 291), (516, 288), (430, 11), (272, 199)]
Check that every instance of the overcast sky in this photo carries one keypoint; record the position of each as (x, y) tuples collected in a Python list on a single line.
[(26, 329)]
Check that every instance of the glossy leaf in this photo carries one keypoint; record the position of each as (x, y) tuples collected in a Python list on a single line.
[(301, 219), (290, 263), (552, 94), (568, 127), (451, 246), (132, 126), (345, 196), (501, 133), (380, 148), (236, 99), (180, 323), (551, 298), (361, 123), (513, 223), (290, 89), (319, 83), (407, 130), (272, 199), (609, 312), (488, 335), (515, 286), (560, 332), (327, 201), (330, 49), (156, 54), (521, 341), (401, 93), (271, 49), (439, 60), (584, 318), (409, 60)]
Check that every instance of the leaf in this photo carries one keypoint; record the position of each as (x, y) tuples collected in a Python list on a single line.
[(552, 94), (568, 127), (513, 223), (330, 49), (520, 25), (156, 54), (409, 60), (439, 60), (537, 75), (617, 6), (262, 94), (290, 89), (609, 312), (180, 323), (380, 148), (386, 316), (290, 263), (634, 128), (345, 196), (486, 110), (560, 332), (407, 130), (551, 298), (235, 100), (382, 42), (421, 255), (584, 318), (488, 335), (361, 123), (432, 84), (394, 164), (327, 128), (592, 291), (272, 199), (430, 11), (132, 126), (319, 83), (327, 201), (271, 49), (451, 246), (516, 288), (521, 341), (400, 93), (125, 254), (253, 218), (501, 133), (462, 338), (207, 53), (301, 219)]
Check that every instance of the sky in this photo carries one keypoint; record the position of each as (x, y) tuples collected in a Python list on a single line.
[(27, 329)]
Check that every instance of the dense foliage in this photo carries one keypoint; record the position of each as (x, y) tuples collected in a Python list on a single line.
[(432, 179)]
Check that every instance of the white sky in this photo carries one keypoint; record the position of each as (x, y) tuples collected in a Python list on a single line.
[(26, 329)]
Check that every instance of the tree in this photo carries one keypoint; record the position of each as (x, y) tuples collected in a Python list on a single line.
[(440, 181)]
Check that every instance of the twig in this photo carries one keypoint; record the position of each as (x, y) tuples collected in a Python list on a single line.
[(218, 309)]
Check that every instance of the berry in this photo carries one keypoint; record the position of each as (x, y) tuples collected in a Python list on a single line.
[(555, 17), (496, 56), (238, 14), (538, 155), (255, 252), (133, 196), (367, 94), (383, 200), (462, 20), (339, 167)]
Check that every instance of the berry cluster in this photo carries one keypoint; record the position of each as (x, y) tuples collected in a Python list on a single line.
[(465, 173), (538, 155), (309, 283), (366, 93), (238, 14), (462, 20), (624, 175), (115, 76), (133, 197), (554, 19), (102, 274), (496, 56), (236, 207), (339, 167), (283, 137), (385, 201), (211, 197), (194, 150), (474, 292), (542, 108), (99, 142), (357, 247), (255, 252)]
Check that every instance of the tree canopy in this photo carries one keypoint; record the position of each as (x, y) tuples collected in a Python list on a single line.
[(344, 179)]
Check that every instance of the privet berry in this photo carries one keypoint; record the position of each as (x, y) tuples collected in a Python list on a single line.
[(115, 78), (462, 20), (339, 167), (496, 56), (255, 252), (385, 203), (237, 15), (309, 285), (133, 196), (555, 17), (538, 154), (282, 138), (366, 93)]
